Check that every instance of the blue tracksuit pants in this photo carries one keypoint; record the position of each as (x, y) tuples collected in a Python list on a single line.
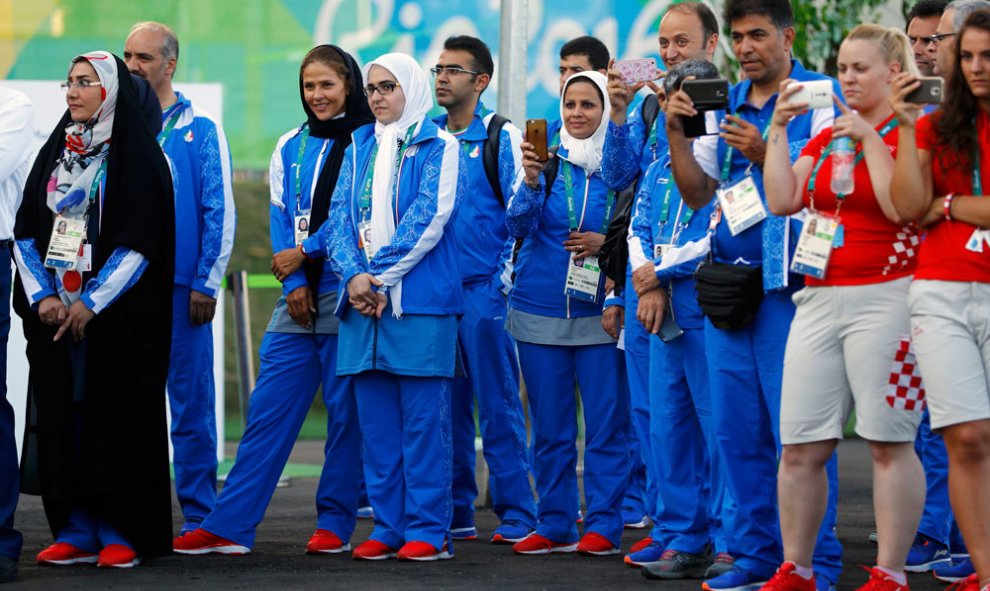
[(191, 398), (681, 425), (293, 366), (10, 538), (492, 378), (552, 374), (641, 494), (405, 422), (87, 532), (937, 520), (745, 375)]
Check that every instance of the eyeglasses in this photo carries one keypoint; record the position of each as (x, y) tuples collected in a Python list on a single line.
[(931, 39), (451, 71), (81, 84), (383, 88)]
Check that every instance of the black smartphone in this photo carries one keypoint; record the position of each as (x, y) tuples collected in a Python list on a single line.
[(695, 126), (708, 95), (536, 134), (669, 330), (929, 93)]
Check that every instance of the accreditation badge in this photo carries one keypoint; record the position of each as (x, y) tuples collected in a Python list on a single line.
[(365, 242), (65, 242), (583, 279), (659, 250), (741, 205), (301, 227), (815, 244)]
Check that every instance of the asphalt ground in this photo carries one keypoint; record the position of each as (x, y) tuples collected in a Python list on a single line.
[(278, 560)]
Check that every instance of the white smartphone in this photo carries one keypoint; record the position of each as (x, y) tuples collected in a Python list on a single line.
[(817, 93)]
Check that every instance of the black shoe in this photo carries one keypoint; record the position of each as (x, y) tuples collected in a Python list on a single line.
[(8, 569), (677, 565)]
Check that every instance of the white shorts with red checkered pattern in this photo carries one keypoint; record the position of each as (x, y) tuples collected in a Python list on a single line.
[(950, 322), (849, 345)]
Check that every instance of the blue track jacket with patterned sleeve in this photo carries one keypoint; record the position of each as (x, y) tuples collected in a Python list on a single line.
[(204, 197), (422, 254)]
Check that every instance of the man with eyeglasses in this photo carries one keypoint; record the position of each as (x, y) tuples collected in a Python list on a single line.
[(490, 157), (204, 225), (922, 23), (955, 14)]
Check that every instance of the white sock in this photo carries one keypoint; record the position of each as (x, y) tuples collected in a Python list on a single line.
[(805, 572), (897, 576)]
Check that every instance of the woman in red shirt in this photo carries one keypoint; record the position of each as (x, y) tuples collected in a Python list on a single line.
[(942, 167), (852, 315)]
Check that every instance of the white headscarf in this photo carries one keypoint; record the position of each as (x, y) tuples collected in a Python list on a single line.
[(86, 144), (418, 91), (586, 153)]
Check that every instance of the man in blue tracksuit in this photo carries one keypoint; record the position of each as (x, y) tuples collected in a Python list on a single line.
[(204, 226), (746, 364), (687, 31), (487, 352)]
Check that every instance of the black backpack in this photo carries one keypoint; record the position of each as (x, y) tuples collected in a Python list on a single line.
[(614, 256), (489, 158)]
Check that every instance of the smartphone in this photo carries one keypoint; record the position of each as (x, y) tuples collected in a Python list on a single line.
[(817, 93), (929, 93), (669, 330), (708, 95), (536, 134), (637, 70)]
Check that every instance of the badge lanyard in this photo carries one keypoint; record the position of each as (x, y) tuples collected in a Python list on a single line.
[(665, 213), (727, 164), (572, 210), (840, 198), (653, 138), (299, 160), (977, 175), (169, 126)]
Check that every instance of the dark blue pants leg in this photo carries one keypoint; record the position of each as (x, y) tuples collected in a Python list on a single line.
[(10, 538)]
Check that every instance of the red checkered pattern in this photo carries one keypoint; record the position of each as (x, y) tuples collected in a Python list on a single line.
[(905, 249), (905, 389)]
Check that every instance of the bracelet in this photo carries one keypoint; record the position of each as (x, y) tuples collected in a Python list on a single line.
[(947, 206)]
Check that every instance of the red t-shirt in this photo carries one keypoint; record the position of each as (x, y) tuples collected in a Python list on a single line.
[(944, 255), (874, 249)]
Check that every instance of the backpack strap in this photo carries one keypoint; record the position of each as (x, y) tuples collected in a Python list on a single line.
[(489, 157)]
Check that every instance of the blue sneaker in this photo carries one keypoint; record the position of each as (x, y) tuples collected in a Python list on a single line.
[(647, 555), (823, 584), (926, 553), (735, 579), (366, 512), (464, 533), (510, 532), (960, 568)]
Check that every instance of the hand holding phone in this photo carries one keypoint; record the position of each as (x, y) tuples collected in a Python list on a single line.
[(929, 93), (816, 93)]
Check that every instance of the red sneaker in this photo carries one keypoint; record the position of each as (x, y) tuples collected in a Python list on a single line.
[(326, 542), (423, 552), (970, 583), (787, 579), (641, 544), (595, 544), (881, 581), (373, 550), (64, 554), (536, 544), (118, 556), (200, 541)]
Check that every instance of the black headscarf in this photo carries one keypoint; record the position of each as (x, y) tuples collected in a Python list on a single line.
[(357, 113), (148, 105)]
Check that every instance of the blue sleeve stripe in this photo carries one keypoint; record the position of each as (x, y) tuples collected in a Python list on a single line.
[(38, 283), (219, 266), (122, 270)]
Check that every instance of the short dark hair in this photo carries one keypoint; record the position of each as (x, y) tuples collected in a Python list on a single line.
[(926, 9), (709, 24), (590, 46), (778, 11), (700, 69), (480, 54)]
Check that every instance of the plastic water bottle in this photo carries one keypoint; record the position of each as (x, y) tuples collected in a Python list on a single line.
[(843, 157)]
